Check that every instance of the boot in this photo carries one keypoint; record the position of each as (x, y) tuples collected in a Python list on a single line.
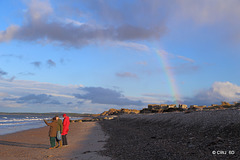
[(60, 144), (56, 146)]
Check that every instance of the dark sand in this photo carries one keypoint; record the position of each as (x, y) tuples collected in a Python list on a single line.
[(206, 135), (85, 141)]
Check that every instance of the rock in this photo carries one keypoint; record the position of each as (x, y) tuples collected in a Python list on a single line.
[(50, 156), (105, 118), (113, 111), (183, 106)]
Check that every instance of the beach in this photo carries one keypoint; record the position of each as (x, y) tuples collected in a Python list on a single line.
[(85, 141), (203, 135)]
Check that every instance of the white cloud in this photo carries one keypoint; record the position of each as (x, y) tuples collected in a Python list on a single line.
[(35, 96), (137, 46), (220, 91), (43, 25), (71, 21), (9, 33), (126, 75), (144, 63), (225, 90), (186, 59), (2, 94), (39, 10), (209, 11), (20, 88), (61, 95), (170, 55)]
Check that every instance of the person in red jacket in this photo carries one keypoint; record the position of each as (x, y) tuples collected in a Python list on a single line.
[(66, 123)]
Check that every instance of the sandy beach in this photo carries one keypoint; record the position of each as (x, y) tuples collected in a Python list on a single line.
[(85, 141), (206, 135)]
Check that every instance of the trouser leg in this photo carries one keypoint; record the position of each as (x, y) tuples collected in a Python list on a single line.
[(64, 139), (60, 143), (57, 143), (52, 141)]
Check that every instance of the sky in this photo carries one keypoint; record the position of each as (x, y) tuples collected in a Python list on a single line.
[(89, 56)]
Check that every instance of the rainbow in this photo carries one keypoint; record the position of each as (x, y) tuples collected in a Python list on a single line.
[(162, 55)]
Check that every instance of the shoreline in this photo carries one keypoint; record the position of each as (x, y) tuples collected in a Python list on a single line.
[(85, 141), (13, 123), (12, 132)]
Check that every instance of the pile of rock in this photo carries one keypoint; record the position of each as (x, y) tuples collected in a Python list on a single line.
[(113, 111), (160, 108), (156, 108), (223, 105)]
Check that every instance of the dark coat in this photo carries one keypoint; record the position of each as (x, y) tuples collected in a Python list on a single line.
[(53, 128), (60, 125)]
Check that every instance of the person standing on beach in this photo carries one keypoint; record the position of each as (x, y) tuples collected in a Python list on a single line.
[(59, 132), (66, 123), (52, 131)]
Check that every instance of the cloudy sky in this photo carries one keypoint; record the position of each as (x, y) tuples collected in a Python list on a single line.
[(88, 56)]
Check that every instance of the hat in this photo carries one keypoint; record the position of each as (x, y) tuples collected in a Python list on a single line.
[(64, 115)]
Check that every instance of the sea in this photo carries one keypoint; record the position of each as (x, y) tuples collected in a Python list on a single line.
[(16, 123)]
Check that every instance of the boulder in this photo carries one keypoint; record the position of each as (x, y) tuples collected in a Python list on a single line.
[(171, 106), (113, 111), (184, 106), (145, 110)]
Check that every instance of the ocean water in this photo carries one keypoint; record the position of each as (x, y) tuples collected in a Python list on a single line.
[(16, 123)]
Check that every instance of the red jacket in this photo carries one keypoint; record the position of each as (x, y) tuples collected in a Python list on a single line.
[(66, 123)]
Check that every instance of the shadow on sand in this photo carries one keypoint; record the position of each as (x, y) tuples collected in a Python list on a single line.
[(26, 145)]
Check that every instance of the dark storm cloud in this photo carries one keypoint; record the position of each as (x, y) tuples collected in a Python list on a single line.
[(130, 32), (132, 22), (77, 36), (101, 95), (34, 99)]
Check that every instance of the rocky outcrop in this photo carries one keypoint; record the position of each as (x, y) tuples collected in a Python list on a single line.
[(197, 108), (113, 111), (183, 106)]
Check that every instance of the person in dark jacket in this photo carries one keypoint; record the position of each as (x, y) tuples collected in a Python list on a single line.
[(59, 132), (66, 123), (52, 131)]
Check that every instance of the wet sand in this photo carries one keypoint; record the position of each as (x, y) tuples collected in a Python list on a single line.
[(85, 141)]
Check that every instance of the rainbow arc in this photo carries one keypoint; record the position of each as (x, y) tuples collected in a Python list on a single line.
[(169, 75)]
